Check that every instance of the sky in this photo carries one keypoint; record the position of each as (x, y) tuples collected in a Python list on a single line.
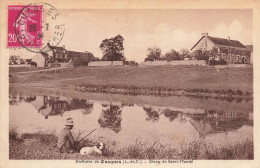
[(143, 28)]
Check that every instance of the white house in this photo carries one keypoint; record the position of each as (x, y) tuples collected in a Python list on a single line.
[(40, 60), (232, 51)]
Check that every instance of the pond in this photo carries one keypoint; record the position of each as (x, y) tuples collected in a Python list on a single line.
[(173, 120)]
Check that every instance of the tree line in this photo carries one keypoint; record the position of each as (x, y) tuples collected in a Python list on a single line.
[(155, 54), (113, 50)]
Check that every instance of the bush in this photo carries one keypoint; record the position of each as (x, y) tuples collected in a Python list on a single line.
[(215, 62)]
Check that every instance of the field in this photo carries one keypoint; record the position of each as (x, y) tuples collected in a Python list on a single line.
[(177, 77), (42, 146)]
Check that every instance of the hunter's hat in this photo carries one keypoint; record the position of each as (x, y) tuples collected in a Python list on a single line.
[(69, 122)]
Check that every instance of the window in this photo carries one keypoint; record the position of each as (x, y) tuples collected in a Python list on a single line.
[(238, 57), (223, 55), (229, 57)]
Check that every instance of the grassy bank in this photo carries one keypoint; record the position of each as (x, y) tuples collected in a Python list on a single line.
[(175, 77), (43, 146)]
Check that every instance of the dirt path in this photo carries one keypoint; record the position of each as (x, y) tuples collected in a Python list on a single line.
[(42, 70)]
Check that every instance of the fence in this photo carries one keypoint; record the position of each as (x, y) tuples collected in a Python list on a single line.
[(105, 63), (177, 62)]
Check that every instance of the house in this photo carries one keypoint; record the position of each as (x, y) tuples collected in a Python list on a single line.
[(40, 60), (60, 56), (232, 51)]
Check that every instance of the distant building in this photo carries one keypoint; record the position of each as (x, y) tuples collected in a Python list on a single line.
[(61, 56), (40, 60), (232, 51)]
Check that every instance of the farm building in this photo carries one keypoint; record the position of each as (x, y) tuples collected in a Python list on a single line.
[(232, 51), (61, 56), (40, 60)]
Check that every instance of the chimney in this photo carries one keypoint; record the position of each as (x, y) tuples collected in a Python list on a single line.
[(204, 34), (63, 46), (228, 38)]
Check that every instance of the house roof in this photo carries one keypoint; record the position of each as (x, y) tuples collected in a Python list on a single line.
[(226, 42), (223, 42), (55, 47)]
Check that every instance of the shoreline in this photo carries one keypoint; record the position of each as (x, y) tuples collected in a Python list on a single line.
[(223, 95)]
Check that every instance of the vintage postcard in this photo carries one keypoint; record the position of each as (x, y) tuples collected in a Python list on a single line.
[(130, 83)]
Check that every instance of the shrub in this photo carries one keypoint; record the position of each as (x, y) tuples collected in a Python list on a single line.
[(215, 62)]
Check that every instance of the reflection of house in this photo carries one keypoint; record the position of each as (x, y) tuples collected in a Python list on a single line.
[(53, 106), (231, 50), (184, 110), (214, 121)]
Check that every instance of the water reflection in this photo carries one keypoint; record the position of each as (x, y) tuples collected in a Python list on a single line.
[(110, 114), (53, 105), (171, 114), (152, 114), (204, 121), (111, 117), (14, 100)]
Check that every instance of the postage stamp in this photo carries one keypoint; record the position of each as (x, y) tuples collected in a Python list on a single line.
[(24, 26), (33, 26)]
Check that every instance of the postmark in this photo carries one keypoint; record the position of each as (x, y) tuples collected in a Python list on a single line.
[(33, 26)]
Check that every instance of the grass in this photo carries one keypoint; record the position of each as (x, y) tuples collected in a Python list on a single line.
[(24, 69), (43, 146), (176, 77)]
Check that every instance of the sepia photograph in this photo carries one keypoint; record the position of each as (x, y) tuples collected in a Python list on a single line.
[(129, 86)]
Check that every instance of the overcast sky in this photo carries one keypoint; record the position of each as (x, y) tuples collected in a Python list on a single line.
[(167, 29)]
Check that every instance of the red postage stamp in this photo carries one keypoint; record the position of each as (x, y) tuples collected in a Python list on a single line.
[(24, 26)]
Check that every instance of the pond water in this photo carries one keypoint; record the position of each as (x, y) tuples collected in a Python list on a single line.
[(174, 122)]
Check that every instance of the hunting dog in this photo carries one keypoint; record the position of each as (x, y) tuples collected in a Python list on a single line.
[(95, 150)]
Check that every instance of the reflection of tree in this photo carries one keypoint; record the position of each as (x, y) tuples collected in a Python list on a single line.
[(111, 118), (152, 114), (81, 104), (13, 100), (30, 99), (170, 114)]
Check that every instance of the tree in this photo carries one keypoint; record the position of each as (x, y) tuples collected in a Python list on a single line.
[(172, 55), (184, 52), (113, 49), (154, 53), (203, 55), (14, 59)]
